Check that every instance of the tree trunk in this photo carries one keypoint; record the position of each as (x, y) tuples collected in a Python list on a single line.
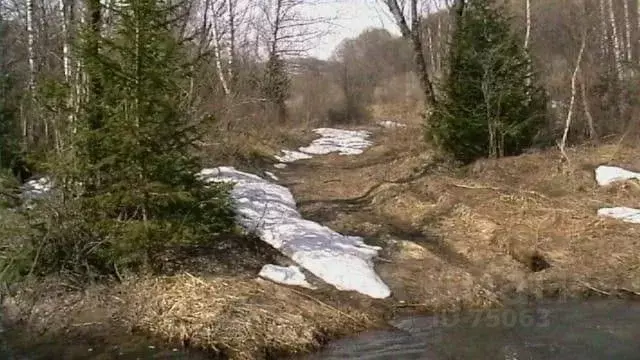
[(604, 39), (32, 66), (218, 55), (587, 112), (94, 10), (413, 34), (617, 49), (574, 77), (627, 30), (527, 34), (67, 12), (231, 49), (430, 48)]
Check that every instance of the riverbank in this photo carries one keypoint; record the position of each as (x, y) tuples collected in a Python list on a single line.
[(453, 240)]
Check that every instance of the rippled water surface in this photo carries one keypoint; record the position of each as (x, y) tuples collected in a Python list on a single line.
[(597, 330)]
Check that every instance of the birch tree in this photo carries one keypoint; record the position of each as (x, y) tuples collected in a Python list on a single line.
[(615, 41), (627, 28), (527, 34), (31, 86), (410, 26), (288, 30)]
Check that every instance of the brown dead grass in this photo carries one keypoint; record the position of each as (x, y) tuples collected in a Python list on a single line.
[(522, 226), (232, 317), (244, 319), (251, 147), (504, 215)]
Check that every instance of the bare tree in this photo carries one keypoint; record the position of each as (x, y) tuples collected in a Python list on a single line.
[(604, 45), (231, 47), (32, 62), (288, 30), (627, 29), (527, 34), (413, 33), (217, 38), (617, 48), (572, 101)]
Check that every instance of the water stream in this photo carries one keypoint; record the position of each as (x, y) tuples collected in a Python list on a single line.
[(593, 330)]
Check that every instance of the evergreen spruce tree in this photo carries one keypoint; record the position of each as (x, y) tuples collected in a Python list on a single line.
[(133, 150), (491, 105)]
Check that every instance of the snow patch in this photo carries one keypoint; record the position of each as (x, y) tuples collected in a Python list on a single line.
[(271, 175), (291, 275), (36, 188), (606, 175), (625, 214), (291, 156), (269, 210), (389, 124), (344, 142)]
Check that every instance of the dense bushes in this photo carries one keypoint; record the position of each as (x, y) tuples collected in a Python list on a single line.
[(490, 105)]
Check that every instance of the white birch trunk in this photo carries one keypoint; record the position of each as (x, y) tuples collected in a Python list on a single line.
[(216, 49), (527, 34), (617, 48), (572, 102), (231, 48), (32, 62), (627, 30)]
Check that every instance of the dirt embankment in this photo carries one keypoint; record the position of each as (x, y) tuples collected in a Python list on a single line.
[(454, 239)]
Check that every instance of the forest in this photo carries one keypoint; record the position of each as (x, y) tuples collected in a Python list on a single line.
[(120, 104)]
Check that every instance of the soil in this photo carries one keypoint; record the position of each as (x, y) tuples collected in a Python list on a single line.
[(497, 231)]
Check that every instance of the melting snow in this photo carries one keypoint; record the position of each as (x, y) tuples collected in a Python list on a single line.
[(391, 124), (291, 275), (625, 214), (291, 156), (37, 188), (271, 175), (344, 142), (270, 211), (606, 175)]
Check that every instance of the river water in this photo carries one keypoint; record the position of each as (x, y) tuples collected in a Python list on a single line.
[(591, 330)]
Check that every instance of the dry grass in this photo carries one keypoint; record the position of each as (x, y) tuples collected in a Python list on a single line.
[(474, 237), (230, 317), (244, 319), (251, 146), (506, 220)]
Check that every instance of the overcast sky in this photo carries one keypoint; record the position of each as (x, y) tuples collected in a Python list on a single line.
[(351, 18)]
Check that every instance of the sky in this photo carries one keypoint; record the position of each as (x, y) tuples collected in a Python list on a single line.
[(351, 17)]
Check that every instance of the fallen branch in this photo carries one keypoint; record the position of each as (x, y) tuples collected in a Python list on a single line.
[(483, 187), (631, 292), (602, 292), (368, 322)]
